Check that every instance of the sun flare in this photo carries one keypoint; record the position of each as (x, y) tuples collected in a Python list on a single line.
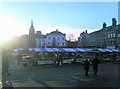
[(10, 26)]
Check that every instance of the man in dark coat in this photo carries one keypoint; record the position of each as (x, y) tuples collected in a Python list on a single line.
[(19, 57), (95, 63), (86, 66)]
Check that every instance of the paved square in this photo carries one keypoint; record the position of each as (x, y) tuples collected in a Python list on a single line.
[(67, 75)]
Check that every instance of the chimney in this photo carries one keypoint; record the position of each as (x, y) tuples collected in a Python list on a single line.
[(85, 31), (56, 29), (39, 32), (104, 25), (114, 22)]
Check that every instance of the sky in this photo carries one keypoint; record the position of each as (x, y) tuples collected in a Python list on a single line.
[(67, 17)]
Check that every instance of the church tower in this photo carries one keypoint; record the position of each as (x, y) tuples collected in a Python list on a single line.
[(31, 31), (31, 36)]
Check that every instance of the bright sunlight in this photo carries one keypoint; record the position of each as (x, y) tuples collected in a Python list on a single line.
[(10, 26)]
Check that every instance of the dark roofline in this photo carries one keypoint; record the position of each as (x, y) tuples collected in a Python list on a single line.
[(55, 32), (108, 28)]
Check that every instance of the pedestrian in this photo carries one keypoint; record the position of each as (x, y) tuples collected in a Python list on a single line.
[(86, 66), (60, 59), (19, 57), (95, 63), (56, 58)]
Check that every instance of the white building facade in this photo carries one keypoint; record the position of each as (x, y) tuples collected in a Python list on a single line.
[(56, 39), (53, 39), (41, 42)]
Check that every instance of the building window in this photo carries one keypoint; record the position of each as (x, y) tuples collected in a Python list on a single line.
[(108, 35), (58, 38), (113, 42), (63, 44), (53, 38), (49, 38), (39, 41), (63, 38), (43, 44), (58, 43), (118, 35), (113, 34), (48, 43)]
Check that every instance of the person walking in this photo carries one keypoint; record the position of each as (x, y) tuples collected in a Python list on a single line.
[(60, 59), (19, 57), (86, 66), (56, 58), (95, 63)]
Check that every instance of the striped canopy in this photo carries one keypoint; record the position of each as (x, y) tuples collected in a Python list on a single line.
[(69, 50)]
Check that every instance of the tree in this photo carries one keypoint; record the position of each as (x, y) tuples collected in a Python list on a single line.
[(72, 42), (71, 37)]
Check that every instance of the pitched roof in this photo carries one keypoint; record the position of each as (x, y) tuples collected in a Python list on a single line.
[(56, 33)]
